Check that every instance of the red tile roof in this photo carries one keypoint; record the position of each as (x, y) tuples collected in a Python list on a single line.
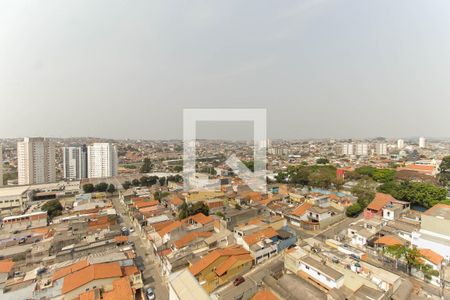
[(380, 201), (264, 295), (227, 264), (70, 269), (6, 265), (432, 256), (213, 256), (169, 228), (91, 273), (200, 218), (301, 210), (121, 290), (389, 240), (266, 233), (191, 236)]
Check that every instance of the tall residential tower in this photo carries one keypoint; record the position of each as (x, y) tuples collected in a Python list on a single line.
[(102, 160), (75, 162), (36, 161)]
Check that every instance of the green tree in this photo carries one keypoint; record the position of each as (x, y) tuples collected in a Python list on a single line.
[(353, 210), (147, 166), (101, 187), (126, 185), (53, 208), (420, 193), (111, 189), (187, 210), (411, 256), (384, 175), (444, 171), (162, 181), (322, 161), (365, 191), (88, 188), (135, 182)]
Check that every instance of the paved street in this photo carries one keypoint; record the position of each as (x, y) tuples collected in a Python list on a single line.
[(151, 275)]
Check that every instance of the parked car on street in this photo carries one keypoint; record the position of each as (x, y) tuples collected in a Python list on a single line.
[(238, 281)]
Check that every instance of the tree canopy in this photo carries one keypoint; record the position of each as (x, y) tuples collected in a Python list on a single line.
[(316, 176), (147, 166), (53, 208), (190, 209), (444, 171), (420, 193)]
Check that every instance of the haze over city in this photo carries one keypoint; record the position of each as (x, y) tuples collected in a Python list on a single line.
[(321, 68)]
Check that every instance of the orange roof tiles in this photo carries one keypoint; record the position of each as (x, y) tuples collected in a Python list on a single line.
[(169, 228), (121, 290), (121, 238), (130, 270), (227, 264), (264, 295), (70, 269), (89, 295), (143, 204), (389, 240), (6, 265), (191, 236), (201, 219), (431, 256), (253, 238), (380, 201), (176, 201), (88, 274), (301, 210), (161, 225), (213, 256)]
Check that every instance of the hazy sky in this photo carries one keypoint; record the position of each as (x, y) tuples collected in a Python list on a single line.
[(128, 68)]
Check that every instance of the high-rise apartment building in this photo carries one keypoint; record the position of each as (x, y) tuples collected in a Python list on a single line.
[(75, 162), (1, 166), (346, 149), (362, 149), (422, 142), (36, 161), (381, 149), (102, 160), (400, 144)]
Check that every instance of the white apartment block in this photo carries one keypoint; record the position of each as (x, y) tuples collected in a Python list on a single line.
[(347, 149), (36, 161), (75, 162), (1, 166), (362, 149), (381, 149), (400, 144), (422, 142), (102, 160)]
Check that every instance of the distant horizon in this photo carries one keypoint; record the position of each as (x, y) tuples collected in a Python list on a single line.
[(220, 139)]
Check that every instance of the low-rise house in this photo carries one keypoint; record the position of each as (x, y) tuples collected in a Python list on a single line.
[(403, 228), (321, 217), (434, 231), (435, 262), (25, 221), (193, 240), (320, 273), (385, 206), (362, 231), (221, 266)]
